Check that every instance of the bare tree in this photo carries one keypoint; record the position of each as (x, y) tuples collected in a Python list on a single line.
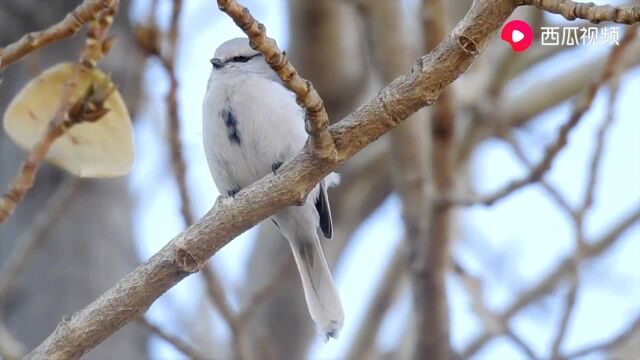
[(350, 50)]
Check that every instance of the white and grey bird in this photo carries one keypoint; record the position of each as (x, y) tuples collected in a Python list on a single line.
[(252, 125)]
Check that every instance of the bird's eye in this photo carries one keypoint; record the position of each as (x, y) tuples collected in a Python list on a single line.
[(240, 59)]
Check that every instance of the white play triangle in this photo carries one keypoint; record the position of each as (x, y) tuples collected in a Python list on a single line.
[(516, 36)]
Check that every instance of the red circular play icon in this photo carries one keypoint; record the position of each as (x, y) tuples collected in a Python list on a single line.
[(518, 34)]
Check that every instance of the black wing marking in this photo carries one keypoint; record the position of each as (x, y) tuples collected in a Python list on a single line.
[(324, 211), (231, 122)]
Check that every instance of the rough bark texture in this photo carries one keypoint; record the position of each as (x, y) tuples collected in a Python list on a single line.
[(91, 246)]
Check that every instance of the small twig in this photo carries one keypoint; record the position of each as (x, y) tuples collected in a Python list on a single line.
[(177, 343), (580, 108), (578, 216), (521, 343), (491, 320), (148, 38), (36, 235), (261, 294), (547, 284), (178, 161), (597, 152), (553, 192), (98, 44), (317, 120), (536, 173), (174, 29), (69, 26), (25, 178), (572, 10), (609, 345), (88, 108), (569, 306), (237, 321), (218, 297)]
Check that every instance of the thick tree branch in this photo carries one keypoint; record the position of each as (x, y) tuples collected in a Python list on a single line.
[(189, 251), (572, 10), (317, 120), (69, 26)]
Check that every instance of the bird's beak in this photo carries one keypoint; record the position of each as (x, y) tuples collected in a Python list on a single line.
[(217, 63)]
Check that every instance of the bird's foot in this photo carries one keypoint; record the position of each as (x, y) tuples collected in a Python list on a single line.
[(275, 166)]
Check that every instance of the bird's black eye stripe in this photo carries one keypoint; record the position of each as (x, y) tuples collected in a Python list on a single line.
[(239, 59), (242, 58)]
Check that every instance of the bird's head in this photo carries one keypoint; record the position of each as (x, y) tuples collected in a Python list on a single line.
[(237, 54)]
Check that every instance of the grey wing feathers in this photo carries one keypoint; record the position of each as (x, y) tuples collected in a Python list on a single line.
[(324, 211)]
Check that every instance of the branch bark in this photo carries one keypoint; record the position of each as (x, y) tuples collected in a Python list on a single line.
[(572, 10), (69, 26), (189, 251)]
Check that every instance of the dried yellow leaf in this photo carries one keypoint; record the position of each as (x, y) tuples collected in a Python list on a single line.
[(103, 148)]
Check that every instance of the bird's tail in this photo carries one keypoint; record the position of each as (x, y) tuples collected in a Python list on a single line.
[(319, 291)]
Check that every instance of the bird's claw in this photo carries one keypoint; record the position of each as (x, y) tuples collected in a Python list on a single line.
[(275, 166)]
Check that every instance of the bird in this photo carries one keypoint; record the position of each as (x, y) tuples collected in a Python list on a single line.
[(252, 125)]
